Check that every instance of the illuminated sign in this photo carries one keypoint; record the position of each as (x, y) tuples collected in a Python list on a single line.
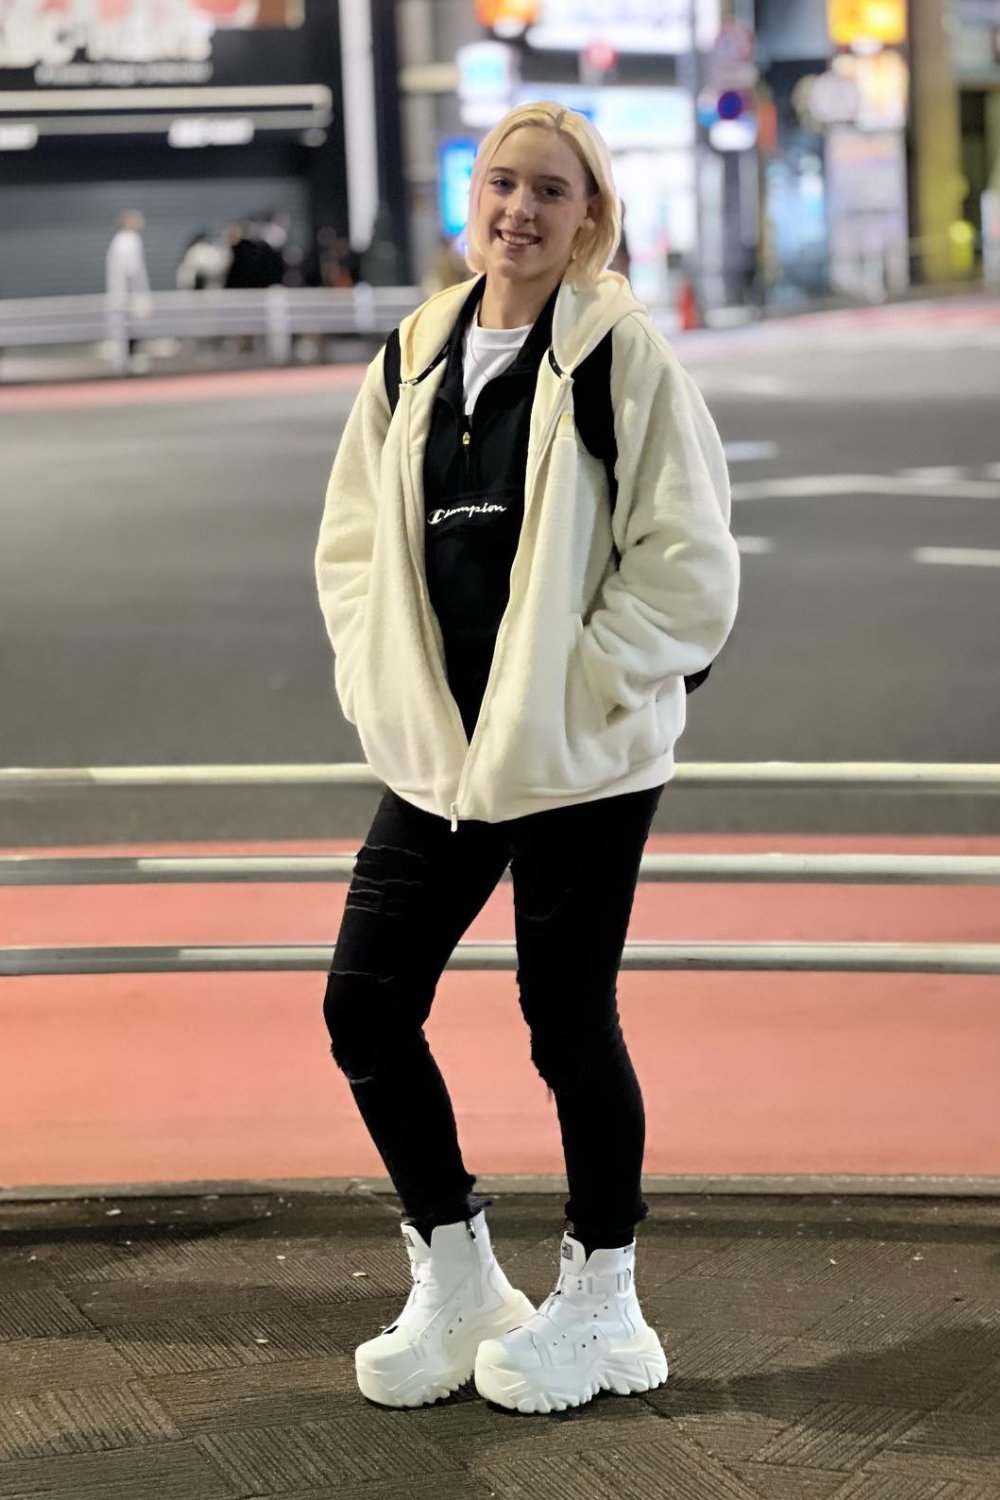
[(455, 159), (193, 130), (629, 119), (507, 17), (52, 34), (18, 137), (859, 22), (487, 73), (660, 27)]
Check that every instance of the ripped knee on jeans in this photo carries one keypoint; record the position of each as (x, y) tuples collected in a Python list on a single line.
[(567, 1063), (371, 1033)]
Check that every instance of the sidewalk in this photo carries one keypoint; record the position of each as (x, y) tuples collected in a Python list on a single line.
[(87, 362), (200, 1348)]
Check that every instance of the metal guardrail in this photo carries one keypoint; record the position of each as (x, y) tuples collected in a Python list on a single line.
[(912, 958), (830, 958), (276, 315), (955, 776), (730, 869)]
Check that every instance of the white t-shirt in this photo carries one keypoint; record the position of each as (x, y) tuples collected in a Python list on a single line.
[(488, 352)]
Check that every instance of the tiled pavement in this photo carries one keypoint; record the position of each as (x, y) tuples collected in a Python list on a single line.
[(199, 1348)]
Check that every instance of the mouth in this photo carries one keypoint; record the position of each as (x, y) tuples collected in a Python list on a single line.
[(517, 241)]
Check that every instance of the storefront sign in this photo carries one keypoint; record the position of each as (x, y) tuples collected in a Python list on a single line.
[(653, 26), (92, 43), (487, 75), (629, 119)]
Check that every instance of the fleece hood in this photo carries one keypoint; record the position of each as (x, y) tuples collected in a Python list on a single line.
[(582, 318)]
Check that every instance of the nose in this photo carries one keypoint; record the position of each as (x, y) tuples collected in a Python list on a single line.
[(522, 204)]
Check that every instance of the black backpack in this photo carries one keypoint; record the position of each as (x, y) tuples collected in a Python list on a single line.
[(592, 410)]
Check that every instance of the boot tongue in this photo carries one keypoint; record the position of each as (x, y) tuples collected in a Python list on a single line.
[(572, 1256), (416, 1247)]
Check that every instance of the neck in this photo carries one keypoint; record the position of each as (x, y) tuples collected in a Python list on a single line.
[(508, 305)]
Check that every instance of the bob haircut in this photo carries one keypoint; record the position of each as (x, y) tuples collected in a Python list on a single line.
[(595, 247)]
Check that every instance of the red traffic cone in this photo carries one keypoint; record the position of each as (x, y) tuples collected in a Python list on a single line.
[(687, 307)]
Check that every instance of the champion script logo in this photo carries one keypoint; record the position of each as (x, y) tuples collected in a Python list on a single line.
[(437, 516)]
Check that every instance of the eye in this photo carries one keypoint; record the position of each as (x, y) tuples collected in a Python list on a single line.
[(500, 182), (554, 191)]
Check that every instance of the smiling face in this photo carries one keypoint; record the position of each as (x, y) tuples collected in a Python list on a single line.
[(533, 206)]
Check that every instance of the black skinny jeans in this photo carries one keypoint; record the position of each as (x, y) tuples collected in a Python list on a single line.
[(416, 888)]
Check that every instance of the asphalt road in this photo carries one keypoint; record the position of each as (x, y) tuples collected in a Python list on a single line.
[(157, 603)]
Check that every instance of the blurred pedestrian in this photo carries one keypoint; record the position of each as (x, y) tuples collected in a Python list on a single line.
[(447, 267), (272, 234), (240, 272), (517, 679), (204, 264), (126, 279)]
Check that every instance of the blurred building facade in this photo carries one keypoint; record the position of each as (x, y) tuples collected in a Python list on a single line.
[(200, 113), (766, 151)]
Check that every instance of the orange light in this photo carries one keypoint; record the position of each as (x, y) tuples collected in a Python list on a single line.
[(850, 21), (495, 13)]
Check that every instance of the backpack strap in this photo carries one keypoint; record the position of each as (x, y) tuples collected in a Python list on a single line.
[(595, 418), (391, 367)]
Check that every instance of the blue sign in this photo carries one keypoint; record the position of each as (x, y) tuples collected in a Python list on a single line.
[(455, 158)]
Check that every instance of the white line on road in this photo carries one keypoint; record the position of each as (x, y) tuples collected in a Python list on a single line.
[(742, 453), (959, 557), (945, 474), (810, 486), (754, 544)]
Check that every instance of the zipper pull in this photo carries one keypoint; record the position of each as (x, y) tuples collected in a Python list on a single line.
[(454, 817), (466, 438), (472, 1232)]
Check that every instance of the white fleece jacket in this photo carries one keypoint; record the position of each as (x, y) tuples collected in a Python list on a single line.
[(585, 697)]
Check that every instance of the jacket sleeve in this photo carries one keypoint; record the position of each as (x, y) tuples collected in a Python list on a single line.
[(670, 605), (347, 531)]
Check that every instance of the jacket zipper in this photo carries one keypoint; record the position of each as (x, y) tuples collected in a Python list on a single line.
[(543, 444), (421, 576)]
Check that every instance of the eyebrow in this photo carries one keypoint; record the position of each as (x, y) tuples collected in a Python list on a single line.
[(542, 176)]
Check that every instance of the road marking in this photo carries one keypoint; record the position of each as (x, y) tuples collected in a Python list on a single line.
[(945, 474), (756, 545), (811, 486), (959, 557), (750, 452)]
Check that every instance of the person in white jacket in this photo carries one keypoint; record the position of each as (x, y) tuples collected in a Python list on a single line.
[(514, 609), (126, 280)]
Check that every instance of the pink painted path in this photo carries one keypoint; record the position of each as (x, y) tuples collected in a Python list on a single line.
[(137, 1078)]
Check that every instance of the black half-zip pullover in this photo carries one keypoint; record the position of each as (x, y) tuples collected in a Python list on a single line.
[(474, 472)]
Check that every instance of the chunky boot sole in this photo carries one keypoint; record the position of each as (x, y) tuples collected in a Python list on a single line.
[(396, 1380), (624, 1370)]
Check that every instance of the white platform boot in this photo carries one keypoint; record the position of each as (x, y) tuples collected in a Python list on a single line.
[(588, 1335), (459, 1297)]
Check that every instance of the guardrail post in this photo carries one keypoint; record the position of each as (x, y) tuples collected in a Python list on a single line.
[(279, 332), (364, 307)]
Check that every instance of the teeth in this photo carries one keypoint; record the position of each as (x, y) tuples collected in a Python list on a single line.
[(518, 239)]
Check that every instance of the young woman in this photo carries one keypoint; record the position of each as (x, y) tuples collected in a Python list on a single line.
[(513, 619)]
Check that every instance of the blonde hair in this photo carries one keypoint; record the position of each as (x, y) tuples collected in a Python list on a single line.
[(595, 246)]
